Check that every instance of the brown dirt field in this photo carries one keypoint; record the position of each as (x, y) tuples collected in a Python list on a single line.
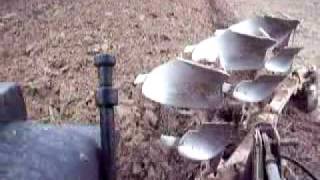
[(48, 46)]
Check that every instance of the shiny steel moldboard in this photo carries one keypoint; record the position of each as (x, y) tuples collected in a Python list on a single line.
[(282, 61), (206, 50), (276, 28), (257, 90), (242, 52), (181, 84), (206, 143)]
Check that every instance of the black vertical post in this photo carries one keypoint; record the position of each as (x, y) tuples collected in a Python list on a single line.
[(106, 98)]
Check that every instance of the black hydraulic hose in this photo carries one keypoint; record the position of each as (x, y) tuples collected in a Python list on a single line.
[(302, 167)]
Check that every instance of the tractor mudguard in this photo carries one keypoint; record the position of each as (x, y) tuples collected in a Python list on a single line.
[(32, 151), (12, 105)]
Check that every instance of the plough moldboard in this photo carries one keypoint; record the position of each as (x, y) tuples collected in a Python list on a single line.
[(200, 79)]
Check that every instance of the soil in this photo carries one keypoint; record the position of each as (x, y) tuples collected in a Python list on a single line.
[(48, 47)]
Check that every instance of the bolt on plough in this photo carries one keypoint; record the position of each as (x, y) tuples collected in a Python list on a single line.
[(205, 77)]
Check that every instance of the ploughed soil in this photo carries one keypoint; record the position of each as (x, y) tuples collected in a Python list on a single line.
[(48, 47)]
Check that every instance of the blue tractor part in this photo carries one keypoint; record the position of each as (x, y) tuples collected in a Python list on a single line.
[(35, 151)]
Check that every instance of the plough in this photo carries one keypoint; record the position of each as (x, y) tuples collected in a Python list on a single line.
[(201, 78)]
